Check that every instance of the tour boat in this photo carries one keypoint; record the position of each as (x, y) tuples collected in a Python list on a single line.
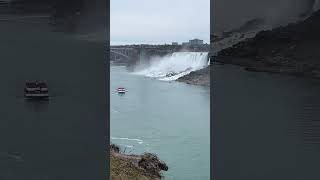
[(121, 90), (35, 90)]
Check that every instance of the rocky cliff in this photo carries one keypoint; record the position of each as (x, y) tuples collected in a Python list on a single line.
[(293, 49), (134, 167)]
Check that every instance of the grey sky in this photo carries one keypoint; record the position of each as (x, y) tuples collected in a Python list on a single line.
[(159, 21)]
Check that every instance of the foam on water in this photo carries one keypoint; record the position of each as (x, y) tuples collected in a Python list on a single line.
[(176, 65), (139, 141), (131, 144)]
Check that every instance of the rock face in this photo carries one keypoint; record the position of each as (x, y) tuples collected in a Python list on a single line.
[(293, 49), (135, 167), (200, 77), (250, 25), (151, 163)]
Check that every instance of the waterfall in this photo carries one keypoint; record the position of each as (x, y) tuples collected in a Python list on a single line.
[(176, 65)]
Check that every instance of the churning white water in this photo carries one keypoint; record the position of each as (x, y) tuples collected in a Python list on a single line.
[(176, 65)]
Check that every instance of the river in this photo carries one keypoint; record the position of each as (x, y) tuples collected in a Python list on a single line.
[(266, 126), (64, 137), (168, 118)]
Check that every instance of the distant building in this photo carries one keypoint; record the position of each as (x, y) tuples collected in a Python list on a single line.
[(195, 42), (175, 43), (185, 44)]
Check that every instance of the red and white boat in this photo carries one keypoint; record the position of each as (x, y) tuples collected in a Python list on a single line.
[(121, 90), (36, 90)]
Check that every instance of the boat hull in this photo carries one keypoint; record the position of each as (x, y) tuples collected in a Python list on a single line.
[(121, 90), (37, 96)]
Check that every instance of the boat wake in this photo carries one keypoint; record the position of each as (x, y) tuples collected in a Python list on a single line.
[(174, 66)]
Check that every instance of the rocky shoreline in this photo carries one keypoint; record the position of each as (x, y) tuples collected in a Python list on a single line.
[(298, 70), (291, 50), (134, 167), (200, 77)]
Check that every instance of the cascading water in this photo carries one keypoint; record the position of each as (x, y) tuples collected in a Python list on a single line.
[(176, 65)]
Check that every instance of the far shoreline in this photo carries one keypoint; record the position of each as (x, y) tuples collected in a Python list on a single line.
[(250, 65)]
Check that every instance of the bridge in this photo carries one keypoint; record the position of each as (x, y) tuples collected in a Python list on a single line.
[(124, 52), (139, 53)]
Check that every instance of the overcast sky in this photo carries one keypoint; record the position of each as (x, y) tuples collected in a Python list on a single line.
[(159, 21)]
